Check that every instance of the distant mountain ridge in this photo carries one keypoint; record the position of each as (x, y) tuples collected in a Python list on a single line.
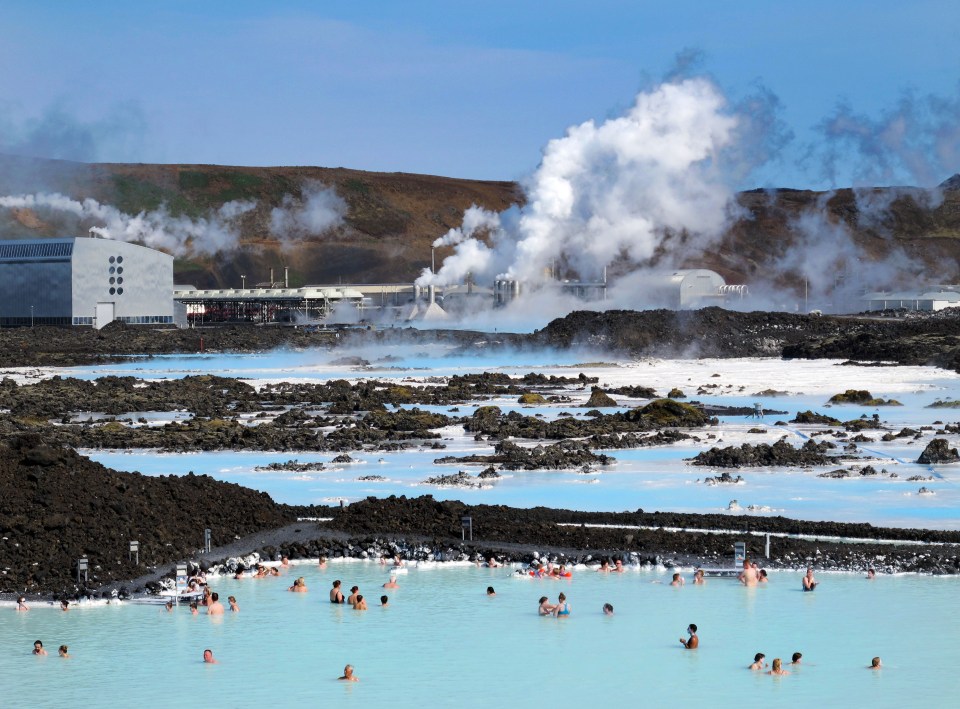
[(392, 219)]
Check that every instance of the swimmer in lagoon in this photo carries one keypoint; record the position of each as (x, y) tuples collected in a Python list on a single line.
[(285, 562), (239, 575), (748, 577), (169, 606), (352, 598), (232, 600), (348, 675), (65, 605), (392, 583), (360, 605), (562, 609), (336, 595), (493, 563), (64, 651), (299, 586), (22, 604), (795, 660), (194, 609), (758, 662), (208, 657), (607, 609), (38, 648), (384, 601), (323, 562), (698, 579), (763, 576), (871, 574), (215, 607), (604, 566), (677, 580), (546, 608), (618, 566), (490, 591), (693, 642), (875, 663), (809, 582), (777, 668)]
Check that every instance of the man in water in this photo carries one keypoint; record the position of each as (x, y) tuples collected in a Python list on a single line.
[(384, 601), (38, 648), (490, 591), (809, 583), (545, 606), (795, 660), (748, 577), (677, 580), (693, 642), (875, 664), (169, 606), (871, 574), (361, 604), (607, 609), (348, 675), (698, 579), (232, 600), (392, 583), (215, 607), (758, 663), (208, 657), (618, 566)]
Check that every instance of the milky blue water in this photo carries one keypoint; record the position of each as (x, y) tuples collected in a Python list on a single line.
[(442, 642)]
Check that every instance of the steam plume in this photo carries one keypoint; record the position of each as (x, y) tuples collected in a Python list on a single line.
[(318, 210), (178, 235), (609, 192)]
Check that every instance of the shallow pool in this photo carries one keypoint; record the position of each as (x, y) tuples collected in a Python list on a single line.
[(443, 642)]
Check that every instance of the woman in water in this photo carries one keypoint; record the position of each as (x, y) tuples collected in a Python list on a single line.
[(545, 607), (336, 595), (562, 609), (63, 651), (777, 668)]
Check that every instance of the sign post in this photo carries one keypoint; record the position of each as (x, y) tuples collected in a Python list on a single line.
[(82, 565), (466, 528), (135, 552)]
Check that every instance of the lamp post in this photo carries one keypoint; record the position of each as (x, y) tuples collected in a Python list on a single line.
[(31, 316), (243, 281)]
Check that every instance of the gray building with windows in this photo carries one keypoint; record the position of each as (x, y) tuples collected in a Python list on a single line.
[(84, 281)]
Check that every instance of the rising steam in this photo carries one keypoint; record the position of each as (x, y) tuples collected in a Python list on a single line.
[(318, 210), (158, 229), (609, 192)]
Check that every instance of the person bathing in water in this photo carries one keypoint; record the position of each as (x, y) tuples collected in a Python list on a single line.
[(562, 609), (693, 642)]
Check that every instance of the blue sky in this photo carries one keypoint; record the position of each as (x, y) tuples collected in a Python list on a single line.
[(466, 89)]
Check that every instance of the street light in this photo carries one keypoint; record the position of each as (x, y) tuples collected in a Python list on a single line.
[(243, 281), (31, 316)]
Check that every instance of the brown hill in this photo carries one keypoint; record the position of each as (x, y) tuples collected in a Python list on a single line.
[(392, 219)]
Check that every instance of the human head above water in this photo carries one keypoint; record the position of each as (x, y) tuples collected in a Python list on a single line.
[(759, 656)]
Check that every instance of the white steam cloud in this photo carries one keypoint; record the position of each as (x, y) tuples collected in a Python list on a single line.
[(609, 192), (158, 229), (318, 210)]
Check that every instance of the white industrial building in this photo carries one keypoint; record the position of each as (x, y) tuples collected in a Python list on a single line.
[(84, 281), (929, 300)]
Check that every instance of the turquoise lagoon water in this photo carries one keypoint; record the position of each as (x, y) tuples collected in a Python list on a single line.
[(442, 642)]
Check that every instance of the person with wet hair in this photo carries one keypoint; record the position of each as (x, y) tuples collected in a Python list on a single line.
[(336, 595), (758, 661), (777, 668), (348, 675), (38, 648), (693, 642)]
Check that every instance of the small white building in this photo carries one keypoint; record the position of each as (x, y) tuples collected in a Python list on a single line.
[(929, 300)]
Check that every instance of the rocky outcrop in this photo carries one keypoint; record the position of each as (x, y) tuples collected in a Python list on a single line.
[(557, 456), (599, 399), (937, 452), (779, 454)]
